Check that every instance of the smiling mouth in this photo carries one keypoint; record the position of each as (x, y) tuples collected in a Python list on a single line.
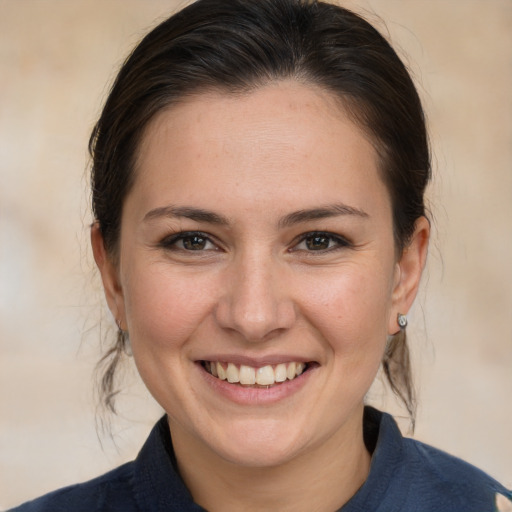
[(249, 376)]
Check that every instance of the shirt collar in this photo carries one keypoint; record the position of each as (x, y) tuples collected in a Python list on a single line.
[(156, 483), (382, 433), (158, 487)]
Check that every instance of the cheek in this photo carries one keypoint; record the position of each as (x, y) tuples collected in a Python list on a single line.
[(164, 308), (351, 310)]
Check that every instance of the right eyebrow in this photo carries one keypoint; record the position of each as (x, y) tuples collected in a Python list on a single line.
[(324, 212), (186, 212)]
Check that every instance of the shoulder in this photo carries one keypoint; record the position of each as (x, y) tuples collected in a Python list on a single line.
[(447, 481), (150, 482), (109, 492), (406, 474)]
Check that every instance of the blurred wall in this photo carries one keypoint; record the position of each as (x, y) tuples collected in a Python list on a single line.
[(56, 59)]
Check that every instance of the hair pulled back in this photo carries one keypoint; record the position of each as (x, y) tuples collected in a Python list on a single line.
[(236, 46)]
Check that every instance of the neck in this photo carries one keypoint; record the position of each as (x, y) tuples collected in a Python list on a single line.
[(323, 478)]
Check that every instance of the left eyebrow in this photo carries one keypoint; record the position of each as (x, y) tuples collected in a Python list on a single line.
[(324, 212)]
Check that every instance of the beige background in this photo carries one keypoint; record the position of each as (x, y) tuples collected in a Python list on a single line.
[(56, 57)]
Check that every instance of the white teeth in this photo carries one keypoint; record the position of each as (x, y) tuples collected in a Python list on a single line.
[(232, 373), (280, 372), (247, 375), (221, 372), (265, 376)]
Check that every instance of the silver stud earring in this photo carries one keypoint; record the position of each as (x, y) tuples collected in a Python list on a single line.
[(402, 321)]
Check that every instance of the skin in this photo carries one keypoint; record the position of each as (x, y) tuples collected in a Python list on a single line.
[(257, 291)]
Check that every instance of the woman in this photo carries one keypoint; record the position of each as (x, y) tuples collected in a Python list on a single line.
[(258, 182)]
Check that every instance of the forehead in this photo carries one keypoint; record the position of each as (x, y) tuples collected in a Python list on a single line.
[(281, 141)]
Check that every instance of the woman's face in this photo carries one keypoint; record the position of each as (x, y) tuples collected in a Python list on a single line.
[(257, 241)]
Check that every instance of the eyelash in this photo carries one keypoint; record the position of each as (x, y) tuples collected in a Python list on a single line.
[(170, 243)]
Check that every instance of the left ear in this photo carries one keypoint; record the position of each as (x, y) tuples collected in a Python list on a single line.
[(409, 268)]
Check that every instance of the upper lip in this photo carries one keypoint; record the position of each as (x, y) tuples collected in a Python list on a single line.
[(256, 362)]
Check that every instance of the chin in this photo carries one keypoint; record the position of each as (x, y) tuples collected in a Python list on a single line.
[(258, 444)]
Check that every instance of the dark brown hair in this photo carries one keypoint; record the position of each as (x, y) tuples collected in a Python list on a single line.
[(236, 46)]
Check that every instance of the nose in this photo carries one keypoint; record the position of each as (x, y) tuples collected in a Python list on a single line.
[(256, 302)]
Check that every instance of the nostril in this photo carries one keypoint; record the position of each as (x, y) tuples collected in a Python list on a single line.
[(255, 318)]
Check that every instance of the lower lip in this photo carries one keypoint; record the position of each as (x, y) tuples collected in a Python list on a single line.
[(255, 396)]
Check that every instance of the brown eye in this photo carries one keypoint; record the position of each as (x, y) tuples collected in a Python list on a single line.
[(318, 242), (188, 241), (194, 243)]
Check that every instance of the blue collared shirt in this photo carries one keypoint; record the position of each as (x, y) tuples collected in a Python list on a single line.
[(404, 475)]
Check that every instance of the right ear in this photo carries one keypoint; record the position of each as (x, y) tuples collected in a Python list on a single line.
[(109, 276)]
